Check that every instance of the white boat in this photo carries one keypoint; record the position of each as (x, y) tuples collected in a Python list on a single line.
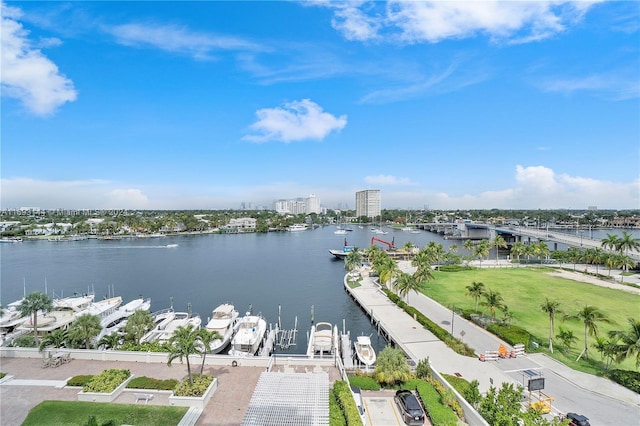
[(364, 351), (166, 324), (340, 231), (11, 315), (103, 308), (248, 337), (116, 321), (171, 245), (323, 339), (298, 227), (224, 320)]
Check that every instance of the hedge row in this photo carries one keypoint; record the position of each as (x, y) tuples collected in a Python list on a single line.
[(150, 383), (439, 413), (627, 378), (346, 402), (511, 334), (364, 382), (80, 380), (456, 344)]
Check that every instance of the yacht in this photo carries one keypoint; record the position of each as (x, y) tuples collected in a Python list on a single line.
[(323, 339), (64, 311), (364, 351), (248, 337), (224, 320), (297, 227), (116, 321), (166, 324)]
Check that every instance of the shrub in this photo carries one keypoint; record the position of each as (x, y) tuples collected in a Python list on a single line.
[(79, 380), (199, 387), (365, 382), (107, 381), (423, 370), (346, 402), (439, 413), (628, 379), (2, 375), (150, 383), (511, 334), (336, 418)]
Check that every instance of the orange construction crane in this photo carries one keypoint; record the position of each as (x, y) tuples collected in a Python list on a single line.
[(390, 244)]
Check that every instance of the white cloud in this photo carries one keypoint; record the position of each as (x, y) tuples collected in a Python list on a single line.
[(27, 74), (178, 39), (295, 121), (434, 21), (618, 85), (387, 180)]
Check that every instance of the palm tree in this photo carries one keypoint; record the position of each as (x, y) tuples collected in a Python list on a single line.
[(56, 339), (392, 366), (498, 242), (139, 323), (110, 341), (405, 283), (353, 260), (31, 304), (206, 338), (85, 329), (468, 246), (493, 301), (627, 243), (541, 250), (482, 250), (422, 262), (611, 242), (629, 341), (517, 249), (551, 307), (590, 316), (475, 290), (185, 342), (567, 338), (575, 255), (624, 262), (610, 261)]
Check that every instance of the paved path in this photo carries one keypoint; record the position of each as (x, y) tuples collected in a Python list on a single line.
[(602, 400)]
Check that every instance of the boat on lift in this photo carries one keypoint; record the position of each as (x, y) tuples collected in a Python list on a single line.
[(364, 351), (248, 338), (323, 339)]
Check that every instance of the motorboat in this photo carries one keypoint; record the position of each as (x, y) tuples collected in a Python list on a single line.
[(166, 324), (248, 338), (364, 351), (116, 321), (224, 320), (102, 308), (298, 227), (11, 315), (340, 231), (343, 252), (323, 339)]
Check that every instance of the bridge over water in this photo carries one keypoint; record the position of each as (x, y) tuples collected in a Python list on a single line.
[(511, 234)]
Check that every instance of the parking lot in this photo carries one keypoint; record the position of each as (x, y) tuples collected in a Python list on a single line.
[(381, 410)]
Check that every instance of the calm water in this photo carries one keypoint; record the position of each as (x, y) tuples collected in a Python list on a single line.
[(293, 270)]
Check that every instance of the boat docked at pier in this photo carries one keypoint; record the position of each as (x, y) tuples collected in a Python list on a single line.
[(364, 351), (166, 323), (343, 252), (298, 227), (323, 339), (224, 321), (249, 335), (115, 322)]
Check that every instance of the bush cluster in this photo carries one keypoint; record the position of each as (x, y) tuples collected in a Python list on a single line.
[(80, 380), (199, 387), (364, 381), (107, 381), (150, 383), (511, 334), (627, 378), (437, 410), (336, 418), (346, 403)]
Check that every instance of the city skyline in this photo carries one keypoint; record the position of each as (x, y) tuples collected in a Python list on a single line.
[(208, 105)]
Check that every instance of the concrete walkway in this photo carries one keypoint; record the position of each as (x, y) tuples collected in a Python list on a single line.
[(602, 400)]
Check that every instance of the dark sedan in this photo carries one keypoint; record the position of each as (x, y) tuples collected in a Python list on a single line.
[(410, 408)]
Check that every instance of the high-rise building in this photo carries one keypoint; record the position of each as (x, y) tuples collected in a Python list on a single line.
[(368, 203), (312, 204)]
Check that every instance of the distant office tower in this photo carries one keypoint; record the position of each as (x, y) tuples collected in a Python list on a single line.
[(312, 204), (368, 203)]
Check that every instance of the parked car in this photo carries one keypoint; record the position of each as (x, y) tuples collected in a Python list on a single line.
[(578, 420), (410, 408)]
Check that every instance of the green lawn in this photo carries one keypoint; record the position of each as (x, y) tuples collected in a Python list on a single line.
[(524, 289), (76, 413)]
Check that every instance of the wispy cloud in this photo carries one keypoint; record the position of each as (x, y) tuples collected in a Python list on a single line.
[(618, 86), (295, 121), (27, 74), (435, 21), (388, 180), (177, 39)]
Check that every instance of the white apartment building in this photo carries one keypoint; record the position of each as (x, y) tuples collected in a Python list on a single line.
[(368, 203), (312, 204)]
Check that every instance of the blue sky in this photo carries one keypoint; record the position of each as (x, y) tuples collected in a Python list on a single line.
[(204, 105)]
